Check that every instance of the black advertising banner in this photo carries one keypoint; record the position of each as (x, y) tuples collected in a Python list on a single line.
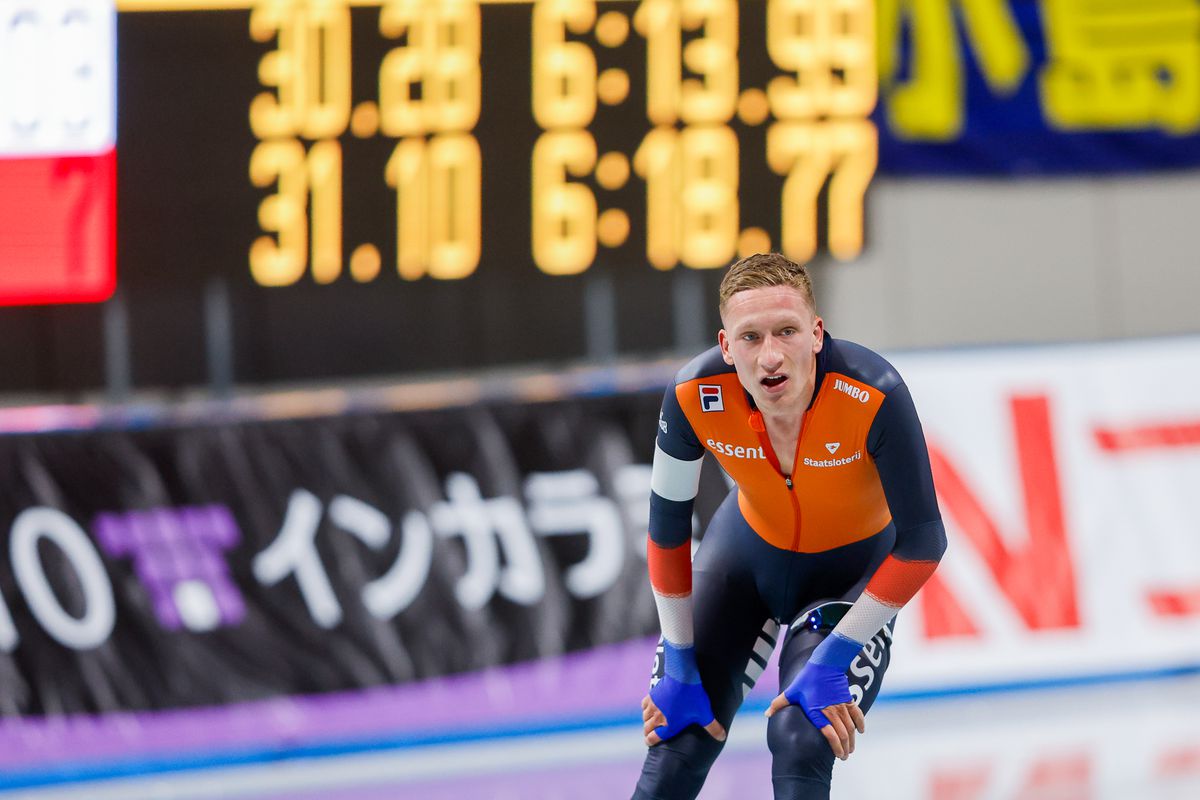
[(202, 565)]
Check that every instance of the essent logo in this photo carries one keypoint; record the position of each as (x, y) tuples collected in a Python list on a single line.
[(738, 451), (861, 395)]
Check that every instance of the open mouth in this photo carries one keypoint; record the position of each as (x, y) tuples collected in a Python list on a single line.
[(774, 381)]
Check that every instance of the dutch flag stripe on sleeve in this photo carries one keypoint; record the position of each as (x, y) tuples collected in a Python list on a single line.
[(674, 483), (671, 579), (892, 585)]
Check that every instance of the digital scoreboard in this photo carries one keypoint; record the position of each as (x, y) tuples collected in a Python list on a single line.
[(414, 185), (433, 138)]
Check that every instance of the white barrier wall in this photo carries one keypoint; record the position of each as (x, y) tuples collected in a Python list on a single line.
[(952, 262), (1069, 479)]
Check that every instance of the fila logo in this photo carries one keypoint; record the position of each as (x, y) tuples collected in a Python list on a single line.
[(710, 398), (832, 447), (861, 395)]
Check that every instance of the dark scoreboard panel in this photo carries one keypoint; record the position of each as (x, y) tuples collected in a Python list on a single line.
[(435, 184)]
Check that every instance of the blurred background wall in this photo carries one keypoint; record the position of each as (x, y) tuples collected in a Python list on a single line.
[(987, 262)]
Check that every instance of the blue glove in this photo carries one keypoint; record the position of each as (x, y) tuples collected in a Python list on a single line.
[(678, 694), (816, 687), (682, 704), (823, 682)]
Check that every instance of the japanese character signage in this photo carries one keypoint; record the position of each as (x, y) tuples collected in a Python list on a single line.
[(263, 559), (1059, 86)]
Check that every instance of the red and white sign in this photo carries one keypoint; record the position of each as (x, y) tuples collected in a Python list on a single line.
[(57, 151), (1069, 481)]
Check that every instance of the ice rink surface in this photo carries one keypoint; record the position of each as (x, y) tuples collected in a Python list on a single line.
[(1109, 741)]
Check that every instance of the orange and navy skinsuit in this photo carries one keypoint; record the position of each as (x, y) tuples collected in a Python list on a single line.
[(834, 549)]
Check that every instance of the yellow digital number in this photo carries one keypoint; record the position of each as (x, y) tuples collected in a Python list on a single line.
[(406, 173), (564, 212), (658, 21), (691, 195), (326, 86), (714, 96), (276, 114), (324, 168), (310, 69), (280, 261), (438, 215), (441, 56), (564, 73), (669, 96), (657, 163), (808, 153), (454, 81), (399, 113), (709, 196), (830, 46), (437, 182), (455, 172)]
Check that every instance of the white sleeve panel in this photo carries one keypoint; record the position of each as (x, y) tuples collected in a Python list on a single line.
[(675, 618), (865, 618), (673, 479)]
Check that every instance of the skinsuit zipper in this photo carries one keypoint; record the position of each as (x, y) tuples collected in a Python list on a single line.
[(760, 428)]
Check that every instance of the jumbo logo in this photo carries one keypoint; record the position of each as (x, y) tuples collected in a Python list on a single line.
[(861, 395)]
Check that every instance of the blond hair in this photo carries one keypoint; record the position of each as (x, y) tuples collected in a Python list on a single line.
[(762, 270)]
